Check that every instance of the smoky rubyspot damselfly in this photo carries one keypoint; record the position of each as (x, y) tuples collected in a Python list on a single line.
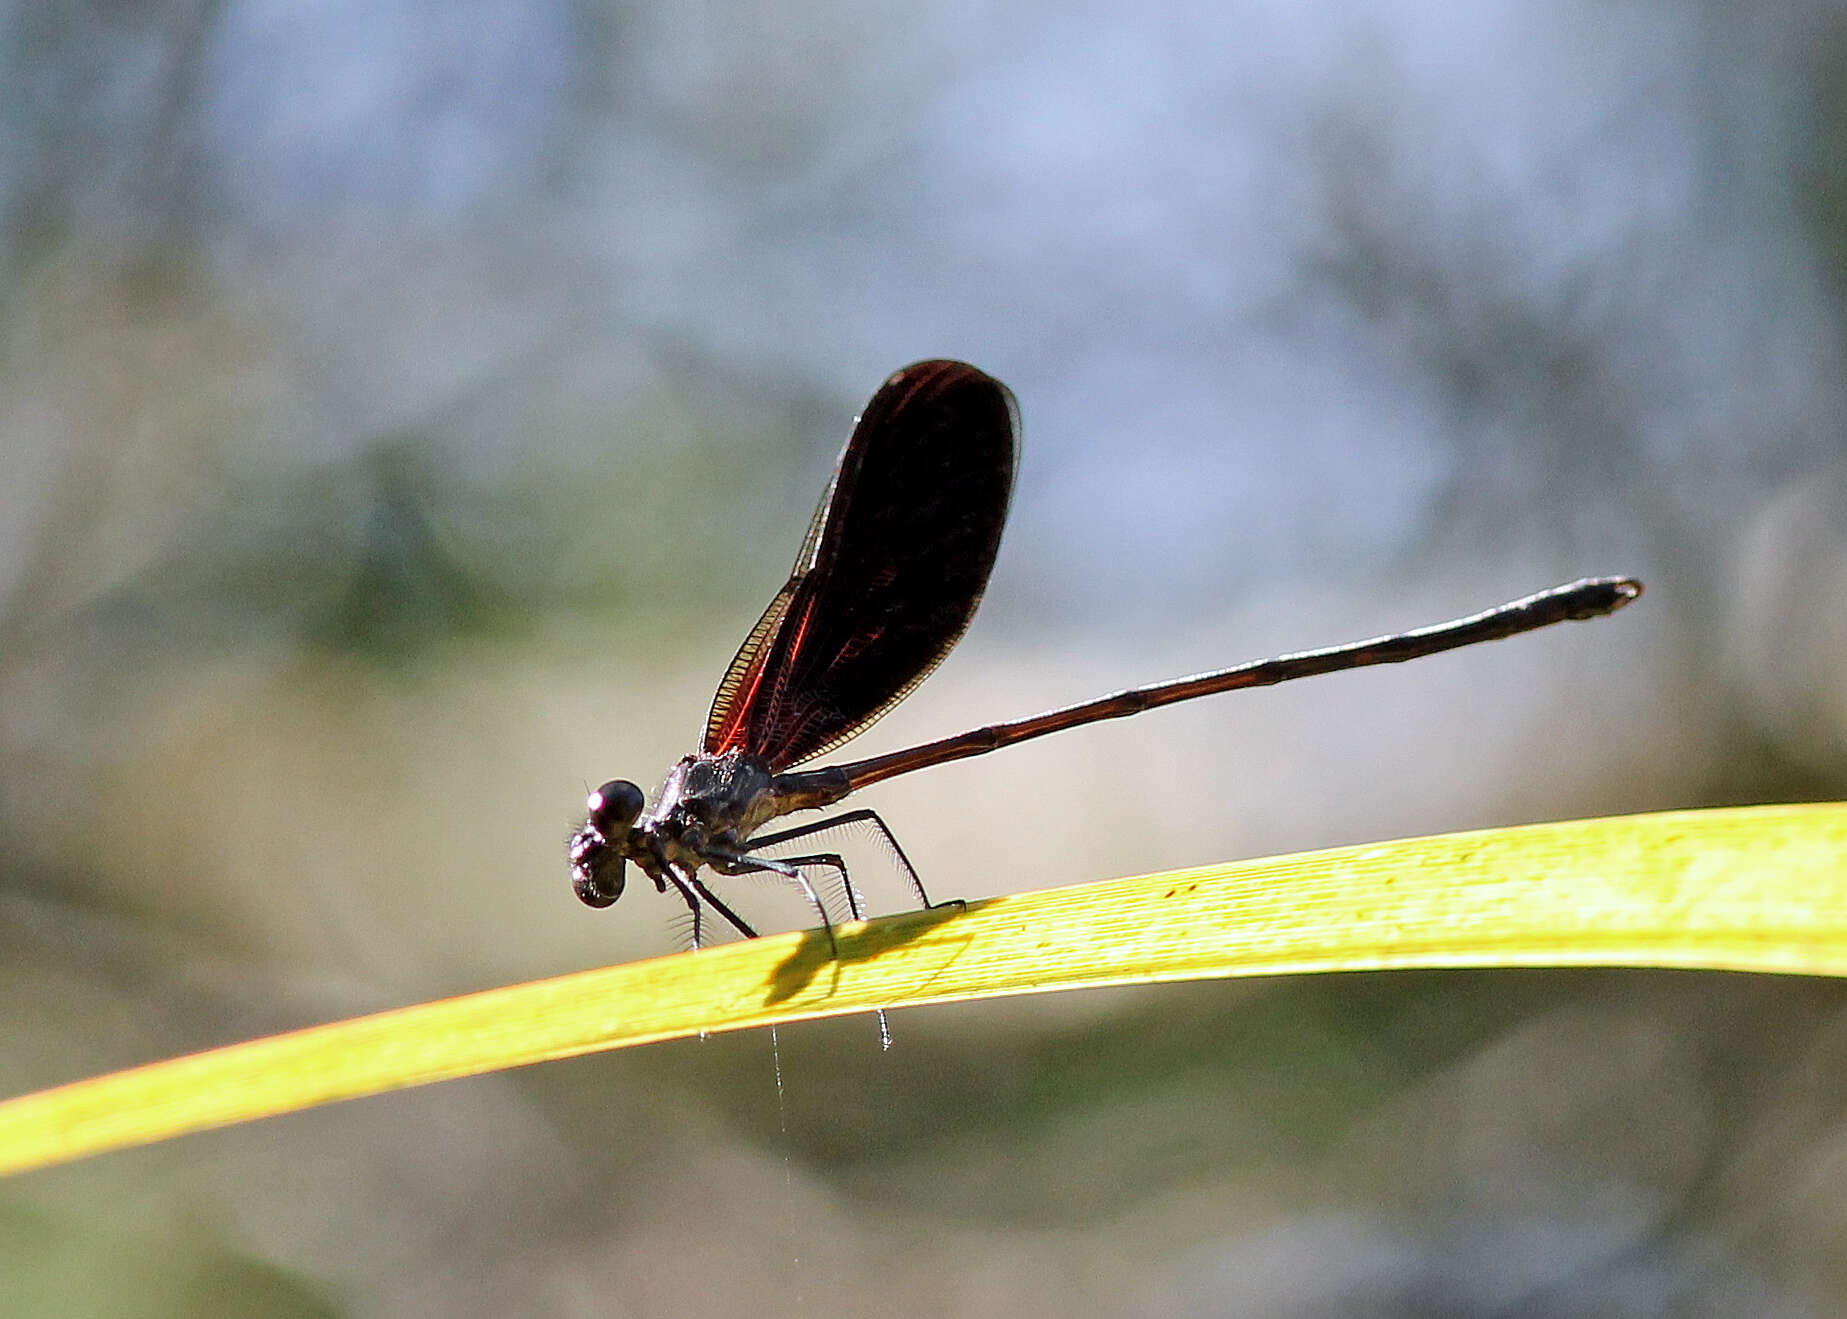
[(894, 563)]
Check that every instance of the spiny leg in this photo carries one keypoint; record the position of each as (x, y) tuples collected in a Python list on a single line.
[(788, 867), (691, 890), (785, 864), (833, 861), (740, 863), (861, 816), (692, 904), (737, 922)]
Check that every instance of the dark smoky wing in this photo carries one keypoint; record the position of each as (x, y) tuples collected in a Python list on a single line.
[(894, 564), (725, 726)]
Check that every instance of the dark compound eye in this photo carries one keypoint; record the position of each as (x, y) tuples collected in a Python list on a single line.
[(615, 806)]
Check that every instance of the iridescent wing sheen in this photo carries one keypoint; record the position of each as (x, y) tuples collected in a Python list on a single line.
[(894, 563)]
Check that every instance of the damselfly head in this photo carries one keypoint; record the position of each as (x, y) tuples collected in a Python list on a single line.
[(599, 859)]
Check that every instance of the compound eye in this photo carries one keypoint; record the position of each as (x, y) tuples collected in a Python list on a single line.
[(615, 806)]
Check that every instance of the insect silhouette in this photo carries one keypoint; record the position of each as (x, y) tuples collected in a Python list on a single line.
[(887, 579)]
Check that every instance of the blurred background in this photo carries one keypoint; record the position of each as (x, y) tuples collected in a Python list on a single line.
[(406, 408)]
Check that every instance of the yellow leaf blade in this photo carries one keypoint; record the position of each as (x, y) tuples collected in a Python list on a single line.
[(1753, 889)]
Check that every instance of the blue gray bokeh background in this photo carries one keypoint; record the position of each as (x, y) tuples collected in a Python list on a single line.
[(406, 407)]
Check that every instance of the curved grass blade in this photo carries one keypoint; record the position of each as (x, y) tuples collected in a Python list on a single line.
[(1752, 889)]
